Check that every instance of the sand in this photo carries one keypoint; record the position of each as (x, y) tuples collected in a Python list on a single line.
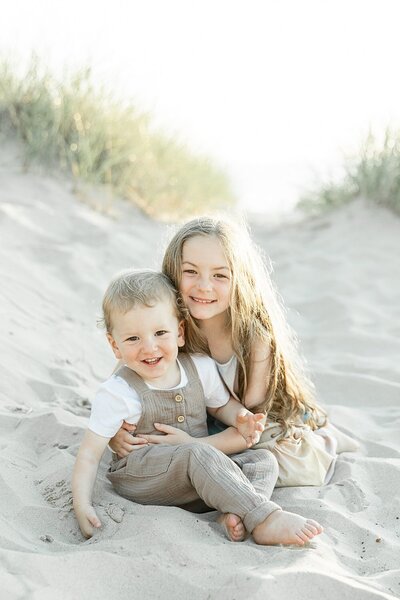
[(339, 277)]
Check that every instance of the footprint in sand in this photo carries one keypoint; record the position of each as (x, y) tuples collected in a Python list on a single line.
[(115, 512), (355, 498), (61, 395), (43, 390), (64, 376), (25, 410), (58, 494)]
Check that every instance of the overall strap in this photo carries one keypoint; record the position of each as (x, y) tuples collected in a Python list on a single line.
[(189, 367), (132, 379)]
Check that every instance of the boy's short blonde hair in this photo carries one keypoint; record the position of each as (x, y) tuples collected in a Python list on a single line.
[(137, 286)]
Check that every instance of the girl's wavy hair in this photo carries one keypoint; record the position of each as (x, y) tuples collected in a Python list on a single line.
[(255, 313), (143, 287)]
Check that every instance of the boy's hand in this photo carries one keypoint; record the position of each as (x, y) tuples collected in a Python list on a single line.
[(87, 519), (250, 427), (173, 436), (124, 442)]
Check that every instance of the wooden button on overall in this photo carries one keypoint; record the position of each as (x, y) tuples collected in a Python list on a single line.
[(178, 398), (181, 418)]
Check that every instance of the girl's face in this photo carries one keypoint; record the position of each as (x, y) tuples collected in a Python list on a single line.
[(206, 277)]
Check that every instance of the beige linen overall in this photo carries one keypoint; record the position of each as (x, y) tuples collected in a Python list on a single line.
[(179, 475)]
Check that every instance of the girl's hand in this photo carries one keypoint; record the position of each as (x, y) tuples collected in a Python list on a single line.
[(173, 436), (87, 519), (250, 427), (123, 441)]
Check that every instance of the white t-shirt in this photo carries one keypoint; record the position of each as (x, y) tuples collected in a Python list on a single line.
[(228, 372), (116, 401)]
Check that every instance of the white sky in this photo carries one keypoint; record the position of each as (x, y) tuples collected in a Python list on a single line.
[(274, 89)]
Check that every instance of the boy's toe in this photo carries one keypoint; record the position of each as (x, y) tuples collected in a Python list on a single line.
[(317, 526), (300, 541), (311, 528)]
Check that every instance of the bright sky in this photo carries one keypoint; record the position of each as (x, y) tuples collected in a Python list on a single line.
[(274, 90)]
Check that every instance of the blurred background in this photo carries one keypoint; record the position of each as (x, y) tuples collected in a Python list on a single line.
[(274, 94)]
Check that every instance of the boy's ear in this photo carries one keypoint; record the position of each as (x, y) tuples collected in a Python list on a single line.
[(114, 346), (181, 334)]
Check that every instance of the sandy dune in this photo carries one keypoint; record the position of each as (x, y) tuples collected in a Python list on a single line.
[(339, 276)]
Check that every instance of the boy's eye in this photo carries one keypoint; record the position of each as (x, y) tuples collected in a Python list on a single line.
[(133, 338), (161, 332)]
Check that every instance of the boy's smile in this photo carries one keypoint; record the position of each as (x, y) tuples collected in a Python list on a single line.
[(146, 339), (206, 278), (152, 361)]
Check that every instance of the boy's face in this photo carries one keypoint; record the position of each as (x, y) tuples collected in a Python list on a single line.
[(147, 339)]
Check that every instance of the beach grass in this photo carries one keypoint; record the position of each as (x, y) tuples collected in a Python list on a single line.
[(373, 173), (103, 140)]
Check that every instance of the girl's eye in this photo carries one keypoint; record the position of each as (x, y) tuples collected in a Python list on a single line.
[(161, 332), (220, 276), (190, 271)]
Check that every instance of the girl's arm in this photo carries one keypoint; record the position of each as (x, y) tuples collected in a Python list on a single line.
[(245, 432), (83, 478), (229, 441), (247, 424), (259, 374)]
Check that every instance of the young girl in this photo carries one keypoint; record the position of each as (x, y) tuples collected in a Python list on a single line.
[(235, 316)]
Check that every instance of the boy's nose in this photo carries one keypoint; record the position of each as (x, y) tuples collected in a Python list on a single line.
[(149, 345)]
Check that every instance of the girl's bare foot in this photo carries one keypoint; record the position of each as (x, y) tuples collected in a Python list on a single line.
[(233, 525), (282, 527)]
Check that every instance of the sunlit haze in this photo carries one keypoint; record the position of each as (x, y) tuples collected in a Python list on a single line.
[(274, 91)]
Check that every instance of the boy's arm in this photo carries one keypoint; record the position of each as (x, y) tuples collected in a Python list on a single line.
[(83, 478), (124, 441)]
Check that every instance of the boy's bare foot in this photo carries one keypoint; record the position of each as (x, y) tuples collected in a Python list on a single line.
[(282, 527), (234, 527)]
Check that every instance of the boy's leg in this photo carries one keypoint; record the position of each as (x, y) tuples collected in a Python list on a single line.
[(172, 476), (261, 469), (178, 475)]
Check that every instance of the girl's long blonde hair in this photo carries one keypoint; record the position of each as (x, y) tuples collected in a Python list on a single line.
[(255, 313)]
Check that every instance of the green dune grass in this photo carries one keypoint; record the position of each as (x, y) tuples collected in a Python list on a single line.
[(102, 140), (373, 173)]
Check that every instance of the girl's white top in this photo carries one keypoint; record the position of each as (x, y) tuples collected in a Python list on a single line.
[(228, 372), (116, 401)]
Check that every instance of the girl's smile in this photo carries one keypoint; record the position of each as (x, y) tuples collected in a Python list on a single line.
[(202, 300)]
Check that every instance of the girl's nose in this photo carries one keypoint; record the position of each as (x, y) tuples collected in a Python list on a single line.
[(204, 284)]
